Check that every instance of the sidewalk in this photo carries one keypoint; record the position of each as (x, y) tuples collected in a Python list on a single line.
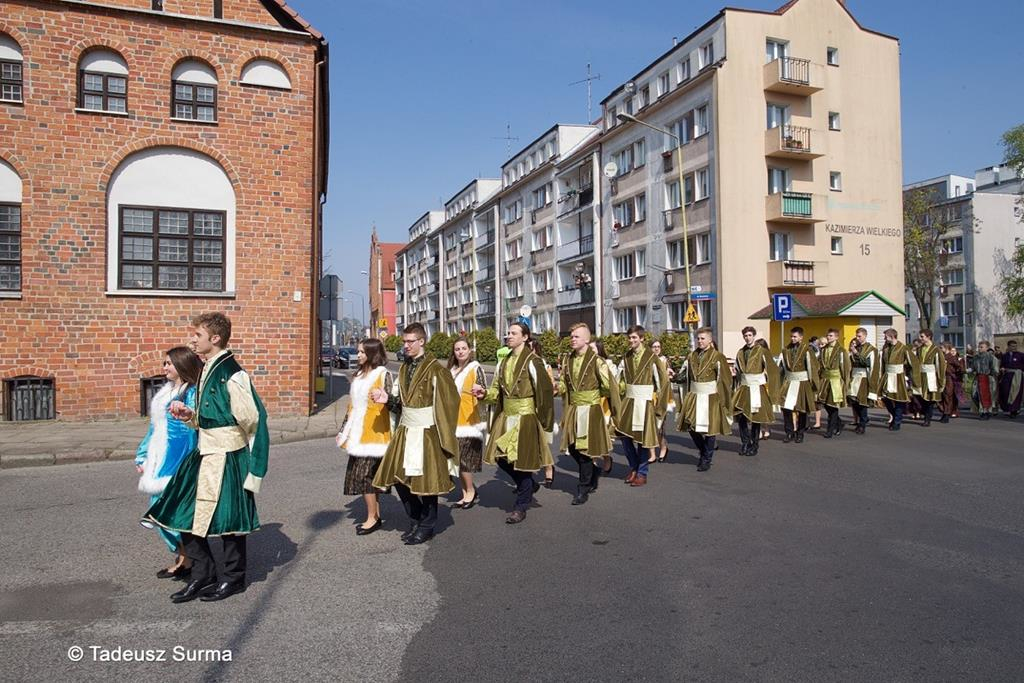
[(49, 442)]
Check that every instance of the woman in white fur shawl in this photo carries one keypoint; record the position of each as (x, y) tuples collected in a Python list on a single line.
[(472, 422), (167, 443)]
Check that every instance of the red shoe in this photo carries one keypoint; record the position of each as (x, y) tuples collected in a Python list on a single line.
[(629, 478), (640, 480)]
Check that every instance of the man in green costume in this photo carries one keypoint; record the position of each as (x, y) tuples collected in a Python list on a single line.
[(643, 382), (519, 442), (423, 453), (865, 376), (896, 359), (757, 391), (835, 377), (586, 435), (213, 491), (930, 379), (707, 408), (799, 389)]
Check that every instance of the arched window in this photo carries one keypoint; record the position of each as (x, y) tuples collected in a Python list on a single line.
[(10, 229), (103, 82), (266, 73), (171, 225), (194, 86), (11, 70)]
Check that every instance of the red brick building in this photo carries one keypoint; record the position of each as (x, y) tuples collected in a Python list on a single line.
[(382, 283), (160, 158)]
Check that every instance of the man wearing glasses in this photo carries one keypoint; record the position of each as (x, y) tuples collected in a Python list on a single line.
[(423, 453)]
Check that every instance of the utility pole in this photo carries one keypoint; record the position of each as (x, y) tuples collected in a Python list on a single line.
[(508, 138), (588, 80)]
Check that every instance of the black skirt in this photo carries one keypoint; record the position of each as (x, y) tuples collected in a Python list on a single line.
[(359, 475), (471, 453)]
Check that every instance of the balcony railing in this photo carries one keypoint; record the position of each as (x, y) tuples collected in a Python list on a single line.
[(484, 274), (485, 306), (577, 200), (485, 240), (792, 75), (790, 273), (581, 247), (575, 296), (795, 207)]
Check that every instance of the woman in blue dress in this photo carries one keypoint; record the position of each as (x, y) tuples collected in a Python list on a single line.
[(167, 443)]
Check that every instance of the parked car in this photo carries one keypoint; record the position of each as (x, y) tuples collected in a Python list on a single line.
[(329, 357), (347, 357)]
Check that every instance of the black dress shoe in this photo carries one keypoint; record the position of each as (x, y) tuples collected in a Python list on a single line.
[(412, 530), (193, 589), (799, 438), (420, 536), (828, 434), (363, 530), (516, 517), (224, 590), (581, 498), (703, 465), (944, 419), (859, 429), (787, 438)]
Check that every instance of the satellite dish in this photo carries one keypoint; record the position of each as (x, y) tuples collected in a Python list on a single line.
[(630, 88), (611, 169), (525, 310)]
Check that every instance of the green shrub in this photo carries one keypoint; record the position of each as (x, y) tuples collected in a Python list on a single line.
[(440, 346), (486, 344), (615, 345), (675, 346), (392, 343), (551, 345)]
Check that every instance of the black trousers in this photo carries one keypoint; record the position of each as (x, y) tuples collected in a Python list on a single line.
[(833, 419), (204, 569), (705, 444), (929, 410), (895, 409), (860, 413), (422, 510), (787, 421), (523, 482), (750, 432), (590, 472)]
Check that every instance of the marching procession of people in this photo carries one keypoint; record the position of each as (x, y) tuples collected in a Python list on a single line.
[(440, 422)]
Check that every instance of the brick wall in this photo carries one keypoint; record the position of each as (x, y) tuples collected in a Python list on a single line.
[(98, 346)]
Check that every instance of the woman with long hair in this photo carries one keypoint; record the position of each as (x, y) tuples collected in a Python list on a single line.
[(367, 430), (470, 428), (167, 443), (538, 349)]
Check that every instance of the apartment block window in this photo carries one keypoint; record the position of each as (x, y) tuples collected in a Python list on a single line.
[(663, 84), (700, 248), (467, 296), (703, 187), (780, 246), (467, 264), (701, 121), (640, 153), (451, 300), (677, 314), (626, 318), (10, 247), (775, 49), (953, 245), (612, 120), (954, 338), (640, 208), (953, 277), (624, 160), (683, 128), (832, 56), (641, 262), (645, 96), (513, 212), (541, 238), (541, 196), (837, 246), (514, 249), (103, 82), (674, 255), (514, 287), (627, 104), (11, 70), (683, 71), (624, 267), (450, 273), (543, 281), (706, 54), (622, 214), (171, 249), (778, 115), (949, 308), (778, 180), (672, 195), (833, 120), (835, 181)]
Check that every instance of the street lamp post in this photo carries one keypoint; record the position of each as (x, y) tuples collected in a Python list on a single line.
[(682, 210), (363, 299)]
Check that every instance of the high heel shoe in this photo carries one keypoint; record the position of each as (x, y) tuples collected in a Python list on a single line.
[(366, 530), (469, 503)]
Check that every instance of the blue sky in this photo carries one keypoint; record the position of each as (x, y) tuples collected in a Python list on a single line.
[(422, 91)]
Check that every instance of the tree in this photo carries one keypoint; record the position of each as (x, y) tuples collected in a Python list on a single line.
[(392, 343), (440, 345), (486, 343), (925, 226), (1012, 280), (551, 345)]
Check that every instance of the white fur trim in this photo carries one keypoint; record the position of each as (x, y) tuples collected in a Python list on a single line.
[(359, 397), (252, 483), (156, 450), (471, 431), (368, 450)]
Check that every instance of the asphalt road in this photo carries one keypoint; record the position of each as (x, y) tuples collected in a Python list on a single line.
[(883, 557)]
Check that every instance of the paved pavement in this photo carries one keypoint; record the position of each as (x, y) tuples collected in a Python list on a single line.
[(883, 557)]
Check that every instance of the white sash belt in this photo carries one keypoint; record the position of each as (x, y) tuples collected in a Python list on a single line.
[(416, 421), (642, 395), (891, 373), (930, 373), (793, 389), (703, 390), (858, 376), (755, 382)]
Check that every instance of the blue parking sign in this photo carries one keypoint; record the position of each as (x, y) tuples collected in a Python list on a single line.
[(782, 306)]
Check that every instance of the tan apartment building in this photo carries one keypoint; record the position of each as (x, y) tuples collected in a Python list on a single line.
[(791, 176), (417, 275)]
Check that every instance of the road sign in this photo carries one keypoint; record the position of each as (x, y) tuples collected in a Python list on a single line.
[(702, 296), (691, 315), (524, 320), (382, 323), (383, 334), (525, 310), (782, 306)]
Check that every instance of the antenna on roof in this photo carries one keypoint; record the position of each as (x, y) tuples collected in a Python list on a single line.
[(588, 81), (508, 138)]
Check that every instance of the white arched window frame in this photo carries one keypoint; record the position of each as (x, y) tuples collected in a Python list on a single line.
[(12, 71), (103, 82), (10, 230), (266, 73), (194, 92), (170, 225)]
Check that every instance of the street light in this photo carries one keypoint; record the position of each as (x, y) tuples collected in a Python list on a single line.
[(682, 209), (363, 299)]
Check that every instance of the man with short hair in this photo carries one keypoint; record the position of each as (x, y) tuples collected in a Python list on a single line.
[(584, 379), (896, 360), (1011, 386), (930, 380), (799, 389), (757, 391), (423, 454), (865, 375), (834, 378), (985, 368), (645, 392), (707, 405)]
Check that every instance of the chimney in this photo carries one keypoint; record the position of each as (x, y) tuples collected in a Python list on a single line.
[(675, 41)]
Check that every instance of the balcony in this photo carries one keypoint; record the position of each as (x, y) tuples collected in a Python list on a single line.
[(484, 274), (574, 201), (792, 142), (789, 274), (793, 76), (575, 296), (485, 307), (430, 315), (431, 288), (795, 207), (581, 247), (485, 241)]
